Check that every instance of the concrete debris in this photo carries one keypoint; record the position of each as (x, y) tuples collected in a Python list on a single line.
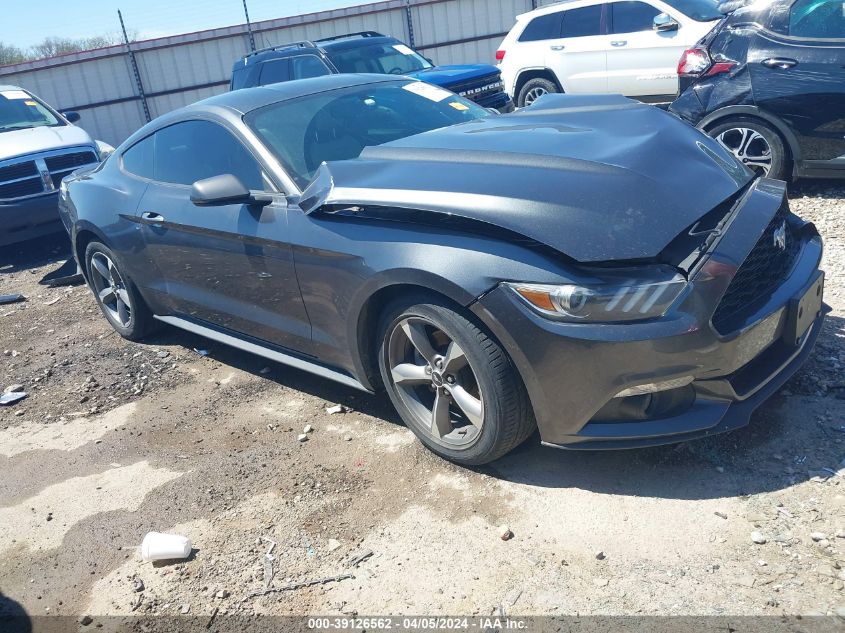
[(758, 538), (338, 408)]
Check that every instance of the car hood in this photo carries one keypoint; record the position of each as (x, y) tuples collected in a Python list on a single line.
[(450, 75), (40, 139), (598, 178)]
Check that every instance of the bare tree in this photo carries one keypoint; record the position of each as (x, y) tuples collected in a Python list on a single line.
[(11, 54)]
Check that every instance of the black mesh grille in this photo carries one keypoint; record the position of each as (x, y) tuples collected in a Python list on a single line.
[(18, 170), (21, 188), (765, 268), (65, 162)]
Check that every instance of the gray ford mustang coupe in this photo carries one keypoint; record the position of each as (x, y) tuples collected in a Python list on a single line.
[(589, 266)]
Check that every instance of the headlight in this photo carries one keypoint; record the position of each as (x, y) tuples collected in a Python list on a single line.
[(629, 295), (104, 150)]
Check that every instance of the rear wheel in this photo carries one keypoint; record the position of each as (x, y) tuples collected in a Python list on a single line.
[(754, 144), (115, 293), (534, 89), (453, 386)]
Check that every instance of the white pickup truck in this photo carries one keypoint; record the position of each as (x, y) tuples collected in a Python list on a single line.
[(38, 147)]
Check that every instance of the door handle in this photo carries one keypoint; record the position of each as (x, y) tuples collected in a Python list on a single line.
[(152, 216), (619, 42), (781, 63), (557, 47)]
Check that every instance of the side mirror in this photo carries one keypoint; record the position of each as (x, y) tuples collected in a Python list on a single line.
[(665, 22), (219, 191), (72, 116)]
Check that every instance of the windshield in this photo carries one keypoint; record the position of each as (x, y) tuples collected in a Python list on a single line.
[(382, 59), (698, 10), (19, 110), (339, 124)]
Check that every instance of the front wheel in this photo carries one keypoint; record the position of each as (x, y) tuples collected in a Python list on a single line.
[(454, 386), (754, 144)]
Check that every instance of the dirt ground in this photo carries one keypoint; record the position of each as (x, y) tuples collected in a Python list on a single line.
[(117, 439)]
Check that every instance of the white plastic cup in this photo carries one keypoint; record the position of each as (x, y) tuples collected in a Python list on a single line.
[(158, 546)]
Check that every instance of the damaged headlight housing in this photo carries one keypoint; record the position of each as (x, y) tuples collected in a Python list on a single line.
[(607, 296)]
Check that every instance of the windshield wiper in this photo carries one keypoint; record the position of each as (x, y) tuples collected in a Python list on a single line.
[(15, 127)]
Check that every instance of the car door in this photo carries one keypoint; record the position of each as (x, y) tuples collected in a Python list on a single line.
[(578, 56), (230, 266), (798, 73), (640, 60)]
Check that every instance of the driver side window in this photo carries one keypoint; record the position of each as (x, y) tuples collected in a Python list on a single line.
[(194, 150)]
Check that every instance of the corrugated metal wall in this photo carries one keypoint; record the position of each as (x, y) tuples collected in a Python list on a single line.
[(181, 69)]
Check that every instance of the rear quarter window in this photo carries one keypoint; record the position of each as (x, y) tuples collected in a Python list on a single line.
[(138, 159)]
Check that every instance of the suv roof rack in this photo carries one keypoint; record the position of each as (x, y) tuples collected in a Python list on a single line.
[(350, 35), (300, 44)]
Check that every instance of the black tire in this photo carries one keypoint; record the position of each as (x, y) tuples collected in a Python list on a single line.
[(731, 134), (507, 419), (530, 91), (139, 319)]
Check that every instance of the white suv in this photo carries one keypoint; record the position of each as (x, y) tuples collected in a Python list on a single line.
[(630, 47)]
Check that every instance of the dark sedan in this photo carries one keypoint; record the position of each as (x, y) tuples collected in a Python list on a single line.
[(590, 266)]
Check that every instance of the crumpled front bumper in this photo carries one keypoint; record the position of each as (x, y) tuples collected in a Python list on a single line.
[(572, 371)]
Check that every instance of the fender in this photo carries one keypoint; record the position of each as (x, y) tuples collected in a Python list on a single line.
[(751, 110), (529, 69), (358, 315)]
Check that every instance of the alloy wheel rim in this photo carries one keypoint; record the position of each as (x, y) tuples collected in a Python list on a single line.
[(436, 382), (535, 93), (749, 147), (111, 289)]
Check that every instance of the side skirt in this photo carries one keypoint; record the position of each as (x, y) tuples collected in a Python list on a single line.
[(261, 350)]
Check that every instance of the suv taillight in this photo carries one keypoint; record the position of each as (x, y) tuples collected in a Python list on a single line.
[(500, 55), (694, 61)]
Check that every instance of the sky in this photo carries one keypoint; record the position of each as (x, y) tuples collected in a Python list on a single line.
[(27, 22)]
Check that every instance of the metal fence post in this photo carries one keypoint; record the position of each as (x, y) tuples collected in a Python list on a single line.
[(410, 20), (135, 69), (249, 29)]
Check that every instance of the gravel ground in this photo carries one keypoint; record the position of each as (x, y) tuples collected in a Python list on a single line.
[(117, 439)]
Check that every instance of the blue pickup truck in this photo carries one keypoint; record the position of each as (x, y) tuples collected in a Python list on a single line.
[(368, 52)]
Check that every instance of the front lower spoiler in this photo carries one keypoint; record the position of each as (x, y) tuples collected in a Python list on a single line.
[(707, 417)]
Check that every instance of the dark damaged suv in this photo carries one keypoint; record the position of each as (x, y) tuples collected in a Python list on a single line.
[(769, 84), (368, 52), (493, 273)]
